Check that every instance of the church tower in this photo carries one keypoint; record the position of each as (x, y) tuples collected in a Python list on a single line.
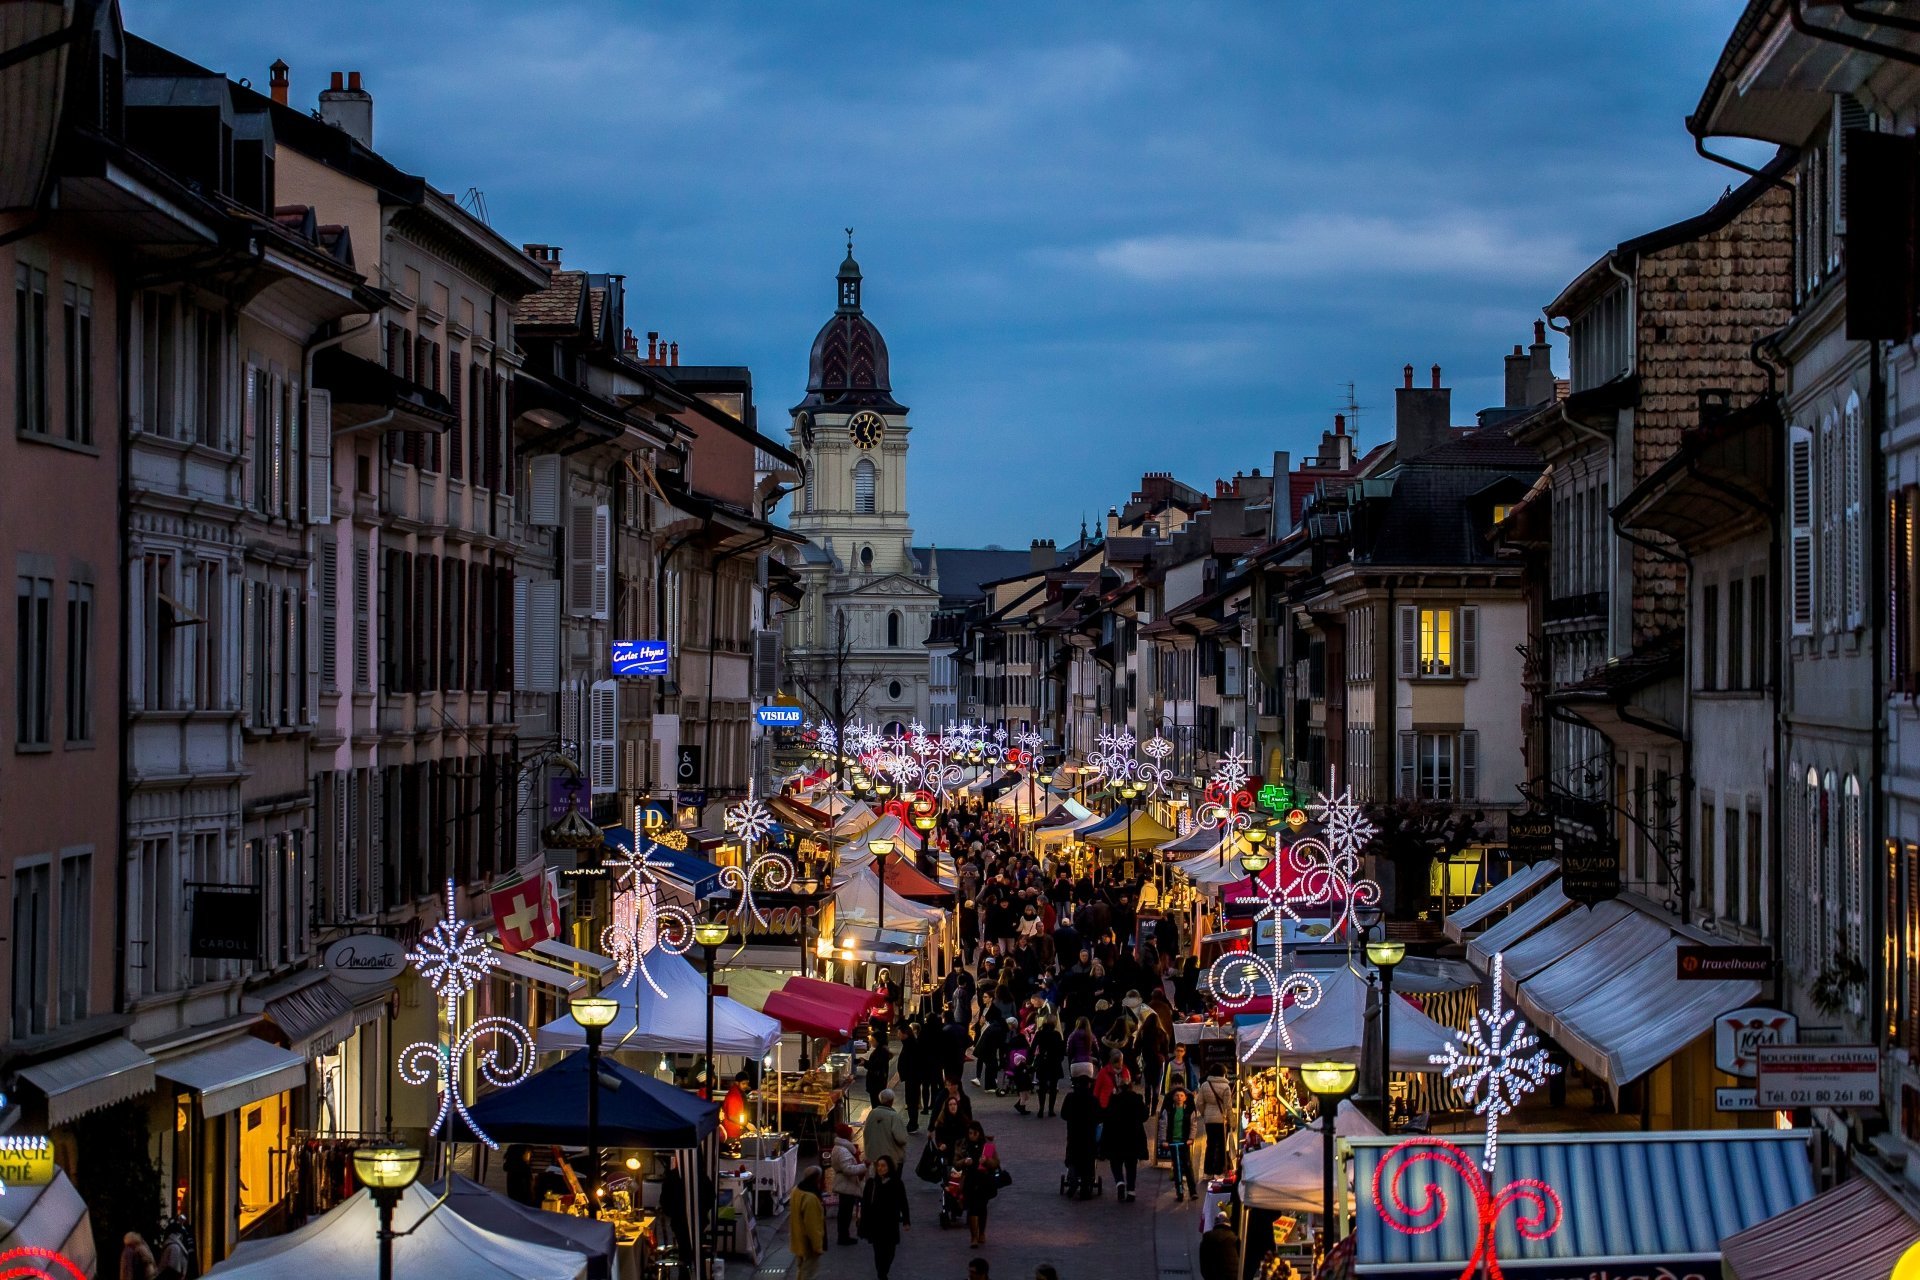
[(867, 596)]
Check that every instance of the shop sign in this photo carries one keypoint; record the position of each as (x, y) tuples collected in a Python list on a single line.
[(567, 792), (1819, 1075), (365, 959), (1716, 964), (1738, 1036), (640, 657), (686, 765), (787, 921), (1530, 834), (25, 1161), (780, 717), (225, 922), (1744, 1098), (1590, 870)]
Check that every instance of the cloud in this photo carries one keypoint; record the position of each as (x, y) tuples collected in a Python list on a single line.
[(1316, 245)]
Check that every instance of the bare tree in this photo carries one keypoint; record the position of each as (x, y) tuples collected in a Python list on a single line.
[(1413, 833), (829, 683)]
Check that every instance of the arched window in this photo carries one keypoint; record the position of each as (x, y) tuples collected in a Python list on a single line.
[(1828, 871), (1852, 521), (1852, 882), (863, 487), (893, 629), (866, 557)]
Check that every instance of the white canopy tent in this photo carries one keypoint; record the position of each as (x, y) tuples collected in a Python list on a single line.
[(345, 1243), (1286, 1177), (50, 1217), (676, 1024), (857, 817), (890, 827), (856, 896), (1336, 1028)]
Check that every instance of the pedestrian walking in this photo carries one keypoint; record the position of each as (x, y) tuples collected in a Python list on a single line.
[(1178, 1113), (911, 1063), (978, 1161), (136, 1259), (884, 1213), (1049, 1059), (1082, 1116), (879, 1066), (807, 1226), (849, 1178), (1213, 1104), (1220, 1250), (884, 1134), (1123, 1138)]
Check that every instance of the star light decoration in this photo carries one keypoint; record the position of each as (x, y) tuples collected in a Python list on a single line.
[(1538, 1217), (1494, 1063), (1330, 868), (454, 959), (640, 922), (1236, 978), (1153, 773), (750, 822)]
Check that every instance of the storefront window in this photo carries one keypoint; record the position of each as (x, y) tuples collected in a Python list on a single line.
[(263, 1147)]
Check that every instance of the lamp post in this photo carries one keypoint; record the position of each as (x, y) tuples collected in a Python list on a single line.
[(1129, 792), (593, 1013), (1328, 1082), (710, 934), (387, 1172), (881, 849), (1385, 955)]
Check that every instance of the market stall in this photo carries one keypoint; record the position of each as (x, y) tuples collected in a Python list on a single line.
[(676, 1022), (1336, 1028), (48, 1217), (492, 1211)]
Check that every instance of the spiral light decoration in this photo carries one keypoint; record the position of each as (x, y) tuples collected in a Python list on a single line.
[(1539, 1216)]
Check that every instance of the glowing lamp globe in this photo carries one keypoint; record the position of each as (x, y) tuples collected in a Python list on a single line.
[(881, 847), (924, 822), (388, 1169), (1256, 836), (1328, 1079), (593, 1011), (1255, 860), (1386, 954), (1046, 779), (710, 933), (883, 788)]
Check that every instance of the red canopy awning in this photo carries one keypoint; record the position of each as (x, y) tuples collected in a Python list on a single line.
[(906, 880), (826, 1010)]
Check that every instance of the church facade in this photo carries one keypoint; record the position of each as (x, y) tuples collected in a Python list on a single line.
[(855, 645)]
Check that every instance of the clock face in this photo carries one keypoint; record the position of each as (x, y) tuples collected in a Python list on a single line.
[(867, 428)]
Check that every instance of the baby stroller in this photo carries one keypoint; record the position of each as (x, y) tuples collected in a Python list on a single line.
[(1070, 1184), (953, 1210)]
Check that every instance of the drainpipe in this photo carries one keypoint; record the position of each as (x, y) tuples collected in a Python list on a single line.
[(123, 326), (1874, 551)]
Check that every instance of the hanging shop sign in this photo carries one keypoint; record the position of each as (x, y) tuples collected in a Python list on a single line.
[(687, 759), (1739, 1036), (25, 1161), (225, 923), (1716, 964), (1590, 870), (365, 959), (1529, 834), (640, 657), (1818, 1075), (785, 922), (780, 717), (567, 792)]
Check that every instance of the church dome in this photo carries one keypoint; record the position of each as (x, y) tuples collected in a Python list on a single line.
[(847, 369)]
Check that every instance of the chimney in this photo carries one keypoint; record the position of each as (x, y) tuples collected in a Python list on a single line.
[(1516, 393), (1041, 556), (1339, 424), (1336, 446), (348, 107), (1229, 515), (277, 81), (629, 343), (653, 345), (1113, 522), (1406, 375), (1540, 382), (676, 353), (1422, 416)]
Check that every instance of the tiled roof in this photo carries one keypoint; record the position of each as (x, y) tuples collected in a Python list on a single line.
[(557, 305), (961, 569), (1483, 447)]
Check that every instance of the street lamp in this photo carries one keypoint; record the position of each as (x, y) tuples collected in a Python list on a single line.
[(387, 1172), (1328, 1082), (1129, 792), (594, 1014), (711, 935), (1385, 954), (881, 847)]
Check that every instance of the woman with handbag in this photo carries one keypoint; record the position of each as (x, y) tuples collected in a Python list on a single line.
[(1213, 1111), (978, 1163), (884, 1213)]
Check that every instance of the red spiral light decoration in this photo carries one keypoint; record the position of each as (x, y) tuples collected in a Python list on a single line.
[(31, 1262), (1538, 1218)]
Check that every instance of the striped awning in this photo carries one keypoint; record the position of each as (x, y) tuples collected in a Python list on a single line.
[(1529, 916), (1630, 1202), (1510, 890), (1875, 1229), (91, 1078)]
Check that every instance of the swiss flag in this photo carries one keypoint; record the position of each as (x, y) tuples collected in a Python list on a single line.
[(528, 910)]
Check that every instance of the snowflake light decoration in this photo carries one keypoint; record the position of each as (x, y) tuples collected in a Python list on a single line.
[(1494, 1063), (828, 738), (770, 869), (640, 922), (1236, 978), (454, 960), (1231, 773), (1344, 822), (749, 821)]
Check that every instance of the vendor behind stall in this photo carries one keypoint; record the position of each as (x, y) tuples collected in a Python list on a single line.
[(734, 1110)]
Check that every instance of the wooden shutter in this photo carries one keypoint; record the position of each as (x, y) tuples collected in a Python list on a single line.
[(766, 663), (1409, 641), (456, 437), (320, 456), (1408, 745), (277, 450), (543, 636), (362, 567), (1853, 516), (580, 559), (522, 620), (1470, 640), (602, 560), (1800, 508), (249, 628), (329, 611), (603, 731), (1470, 764), (543, 493), (377, 844), (249, 437), (570, 717)]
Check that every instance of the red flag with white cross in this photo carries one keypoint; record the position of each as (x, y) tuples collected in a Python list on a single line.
[(522, 912)]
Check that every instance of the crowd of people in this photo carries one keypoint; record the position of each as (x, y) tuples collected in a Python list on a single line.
[(1065, 986)]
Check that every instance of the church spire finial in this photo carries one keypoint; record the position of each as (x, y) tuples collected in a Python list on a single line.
[(849, 242)]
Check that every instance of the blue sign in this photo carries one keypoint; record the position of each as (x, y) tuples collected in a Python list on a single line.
[(792, 717), (640, 657)]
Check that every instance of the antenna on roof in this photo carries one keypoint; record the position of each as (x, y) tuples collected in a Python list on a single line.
[(475, 203), (1352, 409)]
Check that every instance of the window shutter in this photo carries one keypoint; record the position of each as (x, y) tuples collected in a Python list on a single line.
[(1470, 641), (580, 556), (521, 633), (766, 663), (320, 455), (327, 616), (1801, 509), (1408, 745), (349, 785), (543, 637), (377, 844), (1470, 765), (1409, 641), (277, 451), (570, 717), (362, 572), (604, 734), (526, 820), (249, 437), (1848, 118), (249, 627), (543, 494), (602, 560), (1832, 564), (1852, 462)]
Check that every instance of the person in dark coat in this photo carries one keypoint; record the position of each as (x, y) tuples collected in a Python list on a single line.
[(1082, 1116), (884, 1213), (879, 1070), (1049, 1064), (1220, 1251), (1123, 1138), (908, 1063)]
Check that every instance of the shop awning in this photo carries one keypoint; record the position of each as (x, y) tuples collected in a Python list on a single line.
[(1197, 841), (750, 987), (1510, 890), (1570, 932), (566, 954), (1533, 914), (1875, 1229), (906, 880), (1623, 1027), (1147, 832), (316, 1015), (91, 1078), (689, 871), (231, 1075), (525, 966), (1630, 1202), (825, 1010)]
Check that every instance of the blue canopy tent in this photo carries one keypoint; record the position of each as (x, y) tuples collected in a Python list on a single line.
[(688, 871), (550, 1107)]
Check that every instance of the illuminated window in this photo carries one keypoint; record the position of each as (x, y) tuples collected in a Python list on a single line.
[(1501, 510), (1436, 642)]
